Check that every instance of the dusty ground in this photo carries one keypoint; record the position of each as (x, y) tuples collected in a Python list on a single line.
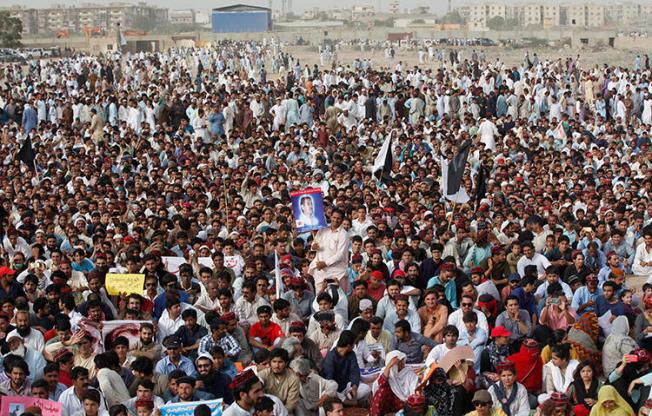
[(588, 56)]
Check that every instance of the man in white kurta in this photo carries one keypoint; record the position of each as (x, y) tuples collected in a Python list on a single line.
[(487, 130), (331, 260)]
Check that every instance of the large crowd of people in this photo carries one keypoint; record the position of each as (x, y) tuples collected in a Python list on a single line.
[(179, 166)]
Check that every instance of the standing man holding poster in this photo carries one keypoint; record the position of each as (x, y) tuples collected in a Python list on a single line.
[(331, 261)]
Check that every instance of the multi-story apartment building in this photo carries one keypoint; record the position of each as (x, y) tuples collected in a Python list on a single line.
[(547, 15), (531, 15), (551, 15), (93, 17)]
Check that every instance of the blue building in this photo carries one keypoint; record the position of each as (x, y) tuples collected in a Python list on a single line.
[(241, 18)]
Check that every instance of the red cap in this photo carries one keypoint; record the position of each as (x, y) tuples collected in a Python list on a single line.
[(6, 271), (377, 275), (128, 239), (477, 270), (447, 267), (229, 316), (399, 273), (500, 331), (297, 282), (286, 257)]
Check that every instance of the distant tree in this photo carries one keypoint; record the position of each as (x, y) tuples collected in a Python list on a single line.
[(496, 23), (511, 24), (452, 18), (144, 23), (11, 30)]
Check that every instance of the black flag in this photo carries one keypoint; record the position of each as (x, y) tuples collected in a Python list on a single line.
[(456, 168), (481, 189), (27, 155)]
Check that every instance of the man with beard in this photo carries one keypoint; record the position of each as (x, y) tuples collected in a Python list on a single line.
[(247, 390), (31, 337), (17, 383), (71, 399), (9, 289), (34, 359), (144, 391), (308, 346), (212, 381), (280, 381), (608, 301), (186, 392), (51, 377)]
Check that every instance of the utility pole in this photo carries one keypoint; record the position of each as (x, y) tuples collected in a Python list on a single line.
[(449, 6)]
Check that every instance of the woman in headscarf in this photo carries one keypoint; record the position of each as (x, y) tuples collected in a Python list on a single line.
[(583, 336), (439, 394), (610, 403), (558, 373), (643, 324), (617, 344), (393, 386), (583, 392), (487, 305), (528, 365), (507, 393)]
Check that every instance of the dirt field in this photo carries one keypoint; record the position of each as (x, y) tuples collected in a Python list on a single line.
[(588, 57)]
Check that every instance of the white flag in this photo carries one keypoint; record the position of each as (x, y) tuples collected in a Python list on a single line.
[(277, 271)]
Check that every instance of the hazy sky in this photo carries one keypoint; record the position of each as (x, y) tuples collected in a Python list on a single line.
[(436, 6)]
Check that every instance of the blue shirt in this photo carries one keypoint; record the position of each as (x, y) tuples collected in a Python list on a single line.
[(449, 289), (581, 296), (525, 300), (602, 306), (191, 337), (159, 303), (413, 349), (165, 366), (85, 266), (343, 370)]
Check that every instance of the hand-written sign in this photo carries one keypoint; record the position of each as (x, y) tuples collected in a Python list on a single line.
[(124, 283), (16, 406)]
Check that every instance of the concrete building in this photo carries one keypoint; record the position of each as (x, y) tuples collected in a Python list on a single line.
[(394, 7), (551, 15), (362, 12), (547, 15), (95, 17), (240, 18), (186, 16), (575, 15), (531, 15), (595, 15), (477, 19)]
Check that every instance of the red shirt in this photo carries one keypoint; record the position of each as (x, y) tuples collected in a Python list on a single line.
[(376, 294), (266, 335), (64, 378)]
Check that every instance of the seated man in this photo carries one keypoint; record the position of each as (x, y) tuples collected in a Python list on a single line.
[(341, 365), (264, 333), (414, 345), (186, 392), (280, 381)]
